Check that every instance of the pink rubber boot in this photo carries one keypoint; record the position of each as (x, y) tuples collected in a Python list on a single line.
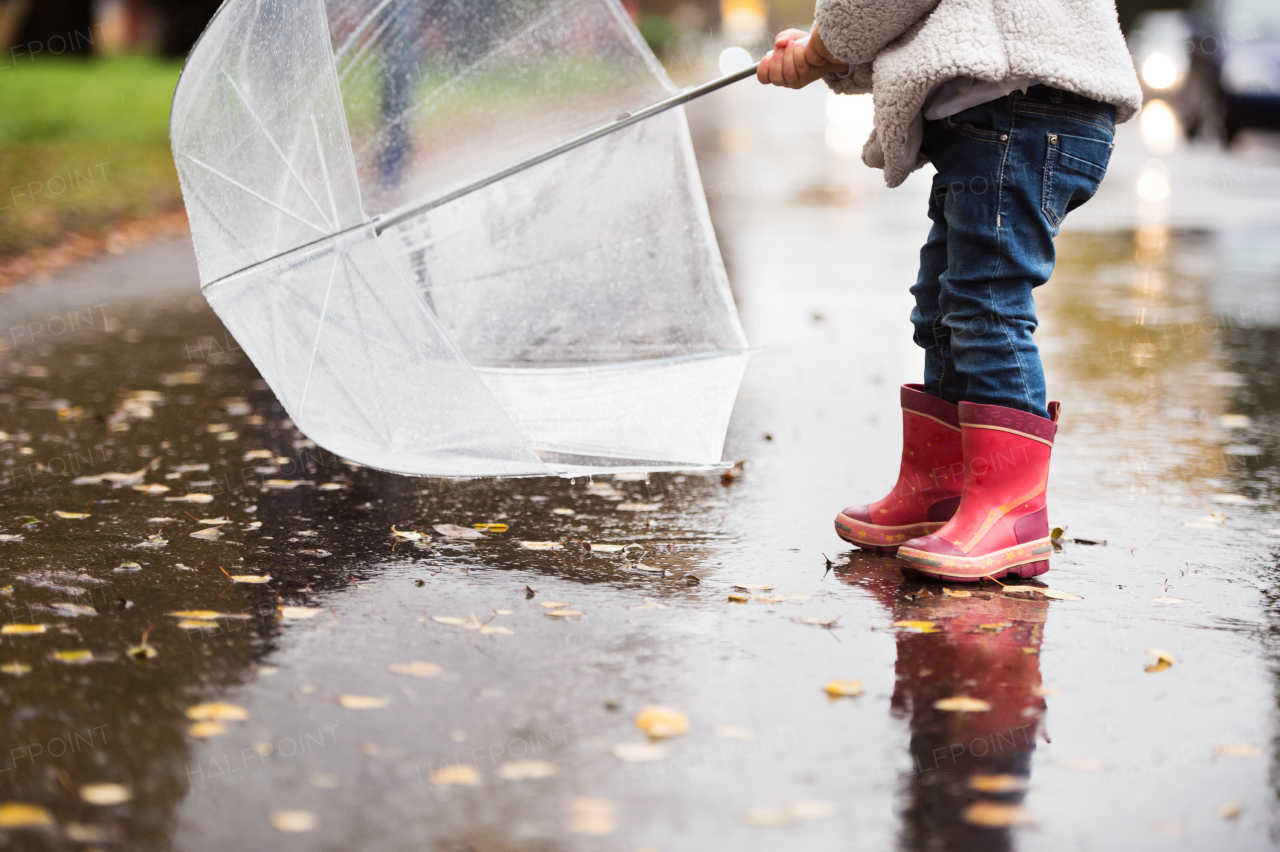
[(1002, 525), (929, 478)]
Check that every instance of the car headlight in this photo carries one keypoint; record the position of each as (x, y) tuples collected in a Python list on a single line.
[(1159, 71), (1249, 73)]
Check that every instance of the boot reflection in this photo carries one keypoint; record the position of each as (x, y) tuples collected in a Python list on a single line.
[(986, 647)]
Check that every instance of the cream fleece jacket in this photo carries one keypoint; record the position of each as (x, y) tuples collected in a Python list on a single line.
[(900, 49)]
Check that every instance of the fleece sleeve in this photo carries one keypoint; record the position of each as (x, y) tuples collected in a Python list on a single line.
[(856, 30)]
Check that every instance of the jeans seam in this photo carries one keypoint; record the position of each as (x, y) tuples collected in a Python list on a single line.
[(1017, 356), (1069, 114)]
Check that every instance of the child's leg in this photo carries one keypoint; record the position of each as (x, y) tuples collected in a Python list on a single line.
[(941, 378)]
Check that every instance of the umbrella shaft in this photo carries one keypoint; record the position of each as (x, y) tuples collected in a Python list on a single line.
[(397, 216)]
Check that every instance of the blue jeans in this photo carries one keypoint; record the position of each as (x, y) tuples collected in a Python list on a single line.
[(1009, 171)]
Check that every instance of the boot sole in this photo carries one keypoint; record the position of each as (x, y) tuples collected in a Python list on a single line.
[(1022, 560), (880, 539)]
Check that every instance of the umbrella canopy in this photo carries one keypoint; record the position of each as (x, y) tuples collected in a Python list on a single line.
[(573, 317)]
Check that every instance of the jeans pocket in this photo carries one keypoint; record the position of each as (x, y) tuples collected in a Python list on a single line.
[(1073, 168)]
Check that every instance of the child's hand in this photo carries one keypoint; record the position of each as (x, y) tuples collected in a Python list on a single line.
[(798, 58)]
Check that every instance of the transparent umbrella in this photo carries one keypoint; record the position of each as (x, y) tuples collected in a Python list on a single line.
[(461, 237)]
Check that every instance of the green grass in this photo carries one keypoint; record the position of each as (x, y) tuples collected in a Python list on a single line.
[(83, 144)]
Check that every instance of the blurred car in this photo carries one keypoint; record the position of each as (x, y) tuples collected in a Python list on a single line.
[(1217, 65)]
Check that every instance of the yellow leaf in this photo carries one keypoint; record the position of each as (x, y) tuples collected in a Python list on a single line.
[(918, 626), (75, 657), (962, 704), (1008, 590), (363, 702), (995, 815), (217, 710), (956, 593), (194, 497), (524, 770), (563, 613), (105, 794), (72, 515), (592, 816), (998, 783), (293, 821), (994, 627), (19, 815), (408, 535), (661, 722), (250, 578), (15, 668), (753, 587), (496, 630), (491, 527), (1163, 660), (452, 620), (844, 688), (414, 669), (459, 774), (198, 624), (737, 598), (204, 730), (22, 629)]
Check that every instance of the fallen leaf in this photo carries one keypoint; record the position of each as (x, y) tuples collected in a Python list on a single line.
[(648, 604), (207, 614), (299, 613), (1230, 810), (214, 521), (363, 702), (217, 710), (208, 534), (15, 668), (844, 688), (330, 486), (72, 515), (75, 657), (1010, 590), (1163, 660), (250, 578), (22, 629), (772, 599), (318, 554), (753, 587), (1238, 750), (526, 770), (737, 598), (811, 809), (552, 604), (540, 545), (733, 732), (956, 593), (998, 783), (592, 816), (996, 815), (459, 774), (195, 497), (563, 613), (607, 548), (7, 537), (414, 669), (408, 535), (20, 815), (1167, 599), (293, 821), (918, 626), (1056, 595), (207, 729), (198, 624), (105, 794), (497, 630), (285, 484), (994, 627), (962, 704), (491, 527), (638, 507), (818, 622), (661, 722), (562, 511), (455, 531), (154, 488), (638, 752)]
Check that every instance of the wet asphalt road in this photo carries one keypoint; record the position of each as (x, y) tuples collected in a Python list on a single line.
[(1159, 330)]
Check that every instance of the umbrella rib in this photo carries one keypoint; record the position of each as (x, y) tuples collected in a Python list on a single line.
[(238, 185), (359, 31), (315, 346), (271, 139), (208, 208), (324, 170)]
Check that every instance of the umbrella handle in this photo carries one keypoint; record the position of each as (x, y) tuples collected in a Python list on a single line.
[(396, 217)]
